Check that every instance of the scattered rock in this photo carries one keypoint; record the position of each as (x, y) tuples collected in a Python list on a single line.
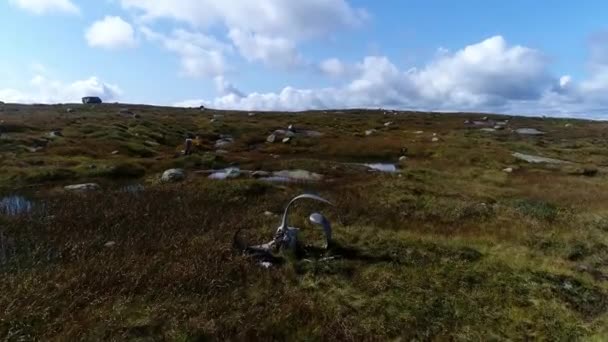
[(269, 213), (435, 139), (291, 128), (488, 130), (114, 153), (529, 131), (271, 138), (485, 118), (538, 159), (260, 174), (370, 132), (388, 124), (82, 187), (109, 244), (55, 134), (286, 140), (499, 127), (402, 158), (212, 120), (151, 143), (69, 110), (224, 140), (300, 175), (173, 175), (568, 125), (508, 170), (251, 114)]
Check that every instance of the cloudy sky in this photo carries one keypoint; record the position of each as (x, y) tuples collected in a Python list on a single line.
[(518, 56)]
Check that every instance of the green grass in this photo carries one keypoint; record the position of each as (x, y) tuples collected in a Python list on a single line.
[(449, 248)]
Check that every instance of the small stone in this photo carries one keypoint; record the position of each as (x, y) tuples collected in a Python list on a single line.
[(271, 138), (110, 244), (114, 153), (402, 158), (286, 140), (291, 128), (435, 139), (269, 213), (69, 110), (387, 124), (508, 170), (370, 132), (485, 118), (212, 120), (251, 114), (568, 125)]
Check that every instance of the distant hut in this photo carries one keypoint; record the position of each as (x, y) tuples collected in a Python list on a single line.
[(91, 100)]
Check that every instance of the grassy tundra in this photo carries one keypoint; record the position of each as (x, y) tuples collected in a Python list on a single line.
[(464, 242)]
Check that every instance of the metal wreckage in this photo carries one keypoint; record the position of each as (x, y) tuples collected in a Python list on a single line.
[(286, 237)]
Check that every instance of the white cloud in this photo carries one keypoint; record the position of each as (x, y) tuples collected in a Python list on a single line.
[(282, 18), (333, 67), (272, 51), (200, 55), (490, 75), (46, 6), (110, 33), (43, 90)]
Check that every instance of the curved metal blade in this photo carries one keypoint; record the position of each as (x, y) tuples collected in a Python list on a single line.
[(304, 196)]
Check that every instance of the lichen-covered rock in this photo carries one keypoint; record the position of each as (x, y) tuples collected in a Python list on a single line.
[(173, 175)]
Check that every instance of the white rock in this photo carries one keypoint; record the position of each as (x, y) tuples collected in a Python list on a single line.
[(286, 140), (370, 132), (271, 138), (508, 170), (435, 139), (402, 158), (110, 244), (82, 187), (173, 175)]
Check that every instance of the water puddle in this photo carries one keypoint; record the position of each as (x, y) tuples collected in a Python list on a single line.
[(382, 167), (15, 205), (226, 174)]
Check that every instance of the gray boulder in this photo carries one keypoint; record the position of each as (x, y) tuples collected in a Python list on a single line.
[(271, 138), (173, 175)]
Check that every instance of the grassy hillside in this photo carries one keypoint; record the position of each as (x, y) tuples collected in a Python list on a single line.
[(464, 242)]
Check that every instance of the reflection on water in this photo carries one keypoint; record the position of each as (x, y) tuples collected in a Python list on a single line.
[(15, 205), (382, 167)]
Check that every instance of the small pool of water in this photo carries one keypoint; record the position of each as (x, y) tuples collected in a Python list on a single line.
[(15, 205), (382, 167)]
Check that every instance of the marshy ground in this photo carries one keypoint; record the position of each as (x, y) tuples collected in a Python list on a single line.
[(472, 238)]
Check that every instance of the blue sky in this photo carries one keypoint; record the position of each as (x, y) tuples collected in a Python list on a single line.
[(522, 57)]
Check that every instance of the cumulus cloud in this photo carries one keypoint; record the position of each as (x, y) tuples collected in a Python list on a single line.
[(273, 51), (333, 67), (46, 6), (489, 75), (44, 90), (265, 31), (283, 18), (110, 33), (200, 55)]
